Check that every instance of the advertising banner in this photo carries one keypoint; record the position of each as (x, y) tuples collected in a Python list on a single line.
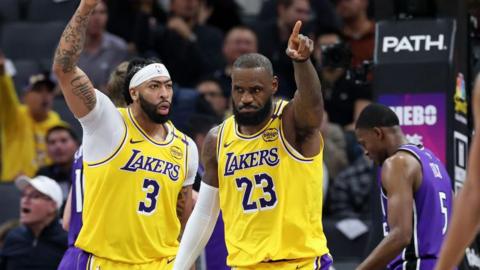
[(422, 118)]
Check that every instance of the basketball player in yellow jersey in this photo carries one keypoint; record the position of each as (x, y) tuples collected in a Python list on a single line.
[(136, 164), (263, 169)]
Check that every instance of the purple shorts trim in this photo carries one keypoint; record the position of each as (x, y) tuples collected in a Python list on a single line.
[(74, 259), (324, 262)]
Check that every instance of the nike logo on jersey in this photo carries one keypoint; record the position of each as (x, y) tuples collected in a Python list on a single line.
[(170, 260), (227, 144), (134, 142)]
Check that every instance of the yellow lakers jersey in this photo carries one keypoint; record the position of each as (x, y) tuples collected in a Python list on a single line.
[(270, 195), (130, 198)]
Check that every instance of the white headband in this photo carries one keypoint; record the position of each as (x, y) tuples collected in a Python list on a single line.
[(147, 73)]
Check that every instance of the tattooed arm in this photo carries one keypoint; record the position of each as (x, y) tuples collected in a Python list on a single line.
[(76, 86), (103, 126)]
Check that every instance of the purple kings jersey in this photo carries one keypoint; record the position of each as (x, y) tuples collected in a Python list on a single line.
[(77, 198), (431, 213)]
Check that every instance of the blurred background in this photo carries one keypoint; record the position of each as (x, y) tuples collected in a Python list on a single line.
[(418, 56)]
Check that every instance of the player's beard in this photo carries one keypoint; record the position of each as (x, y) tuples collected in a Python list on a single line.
[(151, 110), (252, 118)]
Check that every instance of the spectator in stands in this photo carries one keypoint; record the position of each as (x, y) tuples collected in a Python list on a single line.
[(23, 127), (325, 15), (40, 241), (115, 82), (349, 192), (62, 143), (189, 50), (5, 228), (273, 37), (184, 20), (223, 14), (132, 20), (103, 51), (358, 29), (346, 91), (239, 40), (211, 90), (334, 151), (345, 96)]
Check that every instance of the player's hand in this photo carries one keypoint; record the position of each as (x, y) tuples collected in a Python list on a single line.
[(300, 47), (204, 13), (179, 25)]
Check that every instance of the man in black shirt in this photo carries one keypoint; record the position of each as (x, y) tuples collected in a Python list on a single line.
[(344, 94)]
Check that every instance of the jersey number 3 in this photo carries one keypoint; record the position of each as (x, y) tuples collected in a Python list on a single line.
[(263, 181), (151, 187)]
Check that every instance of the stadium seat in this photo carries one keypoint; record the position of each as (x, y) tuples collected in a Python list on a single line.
[(46, 63), (9, 10), (51, 10), (10, 202), (60, 106), (25, 68), (23, 40)]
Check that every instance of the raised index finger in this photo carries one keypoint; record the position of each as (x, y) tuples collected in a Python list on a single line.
[(296, 30)]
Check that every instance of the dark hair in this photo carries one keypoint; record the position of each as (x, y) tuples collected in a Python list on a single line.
[(376, 115), (62, 128), (329, 30), (37, 81), (209, 78), (133, 67), (253, 60), (240, 28), (285, 3)]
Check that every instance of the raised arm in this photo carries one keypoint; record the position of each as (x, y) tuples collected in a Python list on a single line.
[(466, 208), (9, 104), (308, 100), (398, 177), (76, 86), (205, 214)]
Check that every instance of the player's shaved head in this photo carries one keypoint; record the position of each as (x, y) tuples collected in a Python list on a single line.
[(254, 60), (376, 115)]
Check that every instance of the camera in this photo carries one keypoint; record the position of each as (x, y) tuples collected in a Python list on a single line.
[(336, 55)]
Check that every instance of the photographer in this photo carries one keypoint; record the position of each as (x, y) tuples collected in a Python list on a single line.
[(346, 90)]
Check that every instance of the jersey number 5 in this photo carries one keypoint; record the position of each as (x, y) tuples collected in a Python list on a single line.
[(264, 181), (151, 187), (443, 197)]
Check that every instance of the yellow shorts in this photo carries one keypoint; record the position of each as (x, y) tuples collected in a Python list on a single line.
[(317, 263), (96, 263)]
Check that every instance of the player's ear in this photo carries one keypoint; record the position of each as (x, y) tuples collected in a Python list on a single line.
[(378, 133), (133, 93), (274, 84)]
